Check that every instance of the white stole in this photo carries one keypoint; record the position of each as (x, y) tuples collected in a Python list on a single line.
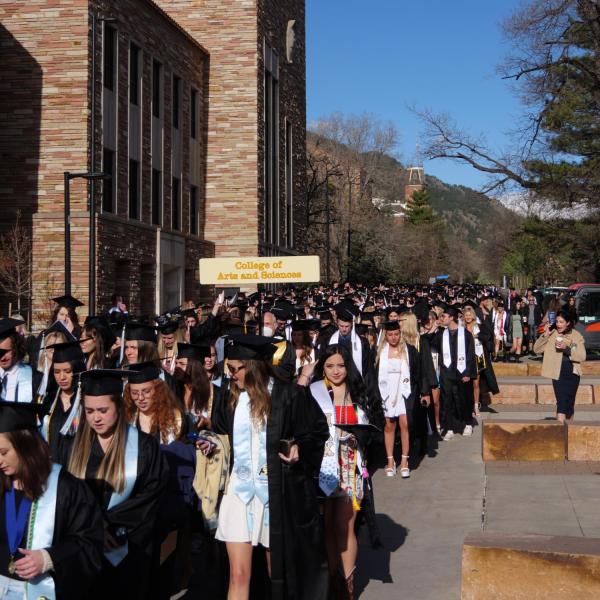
[(117, 555), (461, 357), (41, 535), (329, 474), (478, 344), (356, 347), (404, 379)]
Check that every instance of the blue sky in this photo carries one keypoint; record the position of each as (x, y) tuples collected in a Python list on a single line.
[(382, 56)]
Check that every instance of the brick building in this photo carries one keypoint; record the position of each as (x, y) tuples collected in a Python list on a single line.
[(200, 120)]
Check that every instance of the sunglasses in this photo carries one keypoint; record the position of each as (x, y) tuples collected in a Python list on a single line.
[(235, 370)]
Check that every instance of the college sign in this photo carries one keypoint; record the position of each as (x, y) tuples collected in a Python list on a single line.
[(260, 269)]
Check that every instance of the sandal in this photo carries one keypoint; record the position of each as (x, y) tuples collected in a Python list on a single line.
[(405, 471), (390, 471)]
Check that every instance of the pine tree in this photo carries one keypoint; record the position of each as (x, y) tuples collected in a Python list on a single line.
[(419, 210)]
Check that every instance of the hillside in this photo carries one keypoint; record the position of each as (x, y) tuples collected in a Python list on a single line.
[(471, 215)]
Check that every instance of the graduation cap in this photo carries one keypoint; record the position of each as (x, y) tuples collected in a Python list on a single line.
[(59, 327), (469, 303), (361, 329), (393, 309), (281, 312), (8, 326), (67, 352), (102, 326), (103, 382), (234, 327), (15, 416), (303, 325), (67, 301), (452, 311), (141, 333), (189, 312), (143, 372), (325, 315), (169, 328), (391, 326), (249, 347), (196, 351), (343, 312)]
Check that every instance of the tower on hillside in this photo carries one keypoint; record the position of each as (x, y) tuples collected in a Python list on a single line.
[(415, 180)]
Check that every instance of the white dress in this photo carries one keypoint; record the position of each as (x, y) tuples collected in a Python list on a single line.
[(394, 402), (233, 514)]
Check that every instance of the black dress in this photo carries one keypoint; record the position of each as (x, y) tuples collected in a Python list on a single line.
[(76, 549), (137, 515), (298, 562)]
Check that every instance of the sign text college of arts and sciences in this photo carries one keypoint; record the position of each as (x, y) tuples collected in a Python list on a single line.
[(263, 269)]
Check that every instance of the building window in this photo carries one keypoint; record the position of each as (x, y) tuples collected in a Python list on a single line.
[(194, 114), (134, 189), (193, 210), (134, 74), (156, 196), (176, 101), (110, 39), (289, 186), (108, 185), (176, 204), (156, 89), (271, 138)]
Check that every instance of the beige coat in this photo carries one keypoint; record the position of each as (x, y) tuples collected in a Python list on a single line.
[(553, 357)]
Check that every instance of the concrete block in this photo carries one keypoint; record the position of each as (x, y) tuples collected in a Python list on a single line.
[(545, 395), (507, 439), (591, 367), (534, 369), (596, 392), (510, 369), (583, 441), (500, 566), (522, 393)]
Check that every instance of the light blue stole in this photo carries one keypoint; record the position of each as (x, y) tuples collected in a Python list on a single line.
[(250, 479), (41, 534), (131, 465)]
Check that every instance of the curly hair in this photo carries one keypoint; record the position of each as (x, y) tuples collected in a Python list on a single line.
[(360, 394), (167, 416)]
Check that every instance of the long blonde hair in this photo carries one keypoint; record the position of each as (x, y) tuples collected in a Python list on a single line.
[(257, 378), (112, 466), (54, 337), (162, 351), (410, 330)]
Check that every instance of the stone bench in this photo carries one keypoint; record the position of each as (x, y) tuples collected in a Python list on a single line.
[(512, 439), (500, 566)]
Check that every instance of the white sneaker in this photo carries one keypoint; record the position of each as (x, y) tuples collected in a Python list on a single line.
[(468, 430), (449, 435)]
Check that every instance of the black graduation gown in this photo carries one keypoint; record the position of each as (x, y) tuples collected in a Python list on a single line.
[(76, 549), (487, 377), (298, 562), (60, 445), (137, 515), (456, 408)]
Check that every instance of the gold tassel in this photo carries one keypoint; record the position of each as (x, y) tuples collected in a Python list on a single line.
[(355, 504)]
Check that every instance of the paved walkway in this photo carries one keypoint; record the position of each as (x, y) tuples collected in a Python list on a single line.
[(425, 519)]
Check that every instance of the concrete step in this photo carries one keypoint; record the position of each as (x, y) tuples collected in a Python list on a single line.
[(546, 440), (505, 566), (514, 439), (539, 390), (534, 368)]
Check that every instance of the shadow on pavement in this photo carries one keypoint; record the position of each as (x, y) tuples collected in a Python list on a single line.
[(374, 563)]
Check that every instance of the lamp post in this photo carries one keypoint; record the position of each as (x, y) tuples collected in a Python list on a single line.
[(91, 177)]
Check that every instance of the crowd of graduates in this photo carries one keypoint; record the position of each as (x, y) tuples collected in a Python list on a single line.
[(245, 431)]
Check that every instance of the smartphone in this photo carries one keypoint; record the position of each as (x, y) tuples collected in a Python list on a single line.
[(194, 438)]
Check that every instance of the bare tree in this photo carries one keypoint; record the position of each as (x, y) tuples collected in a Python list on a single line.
[(15, 264)]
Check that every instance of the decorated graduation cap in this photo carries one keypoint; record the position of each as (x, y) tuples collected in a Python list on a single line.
[(67, 352), (196, 351), (249, 347), (142, 372), (189, 312), (140, 332), (68, 301), (391, 325), (15, 416), (8, 326), (103, 382)]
